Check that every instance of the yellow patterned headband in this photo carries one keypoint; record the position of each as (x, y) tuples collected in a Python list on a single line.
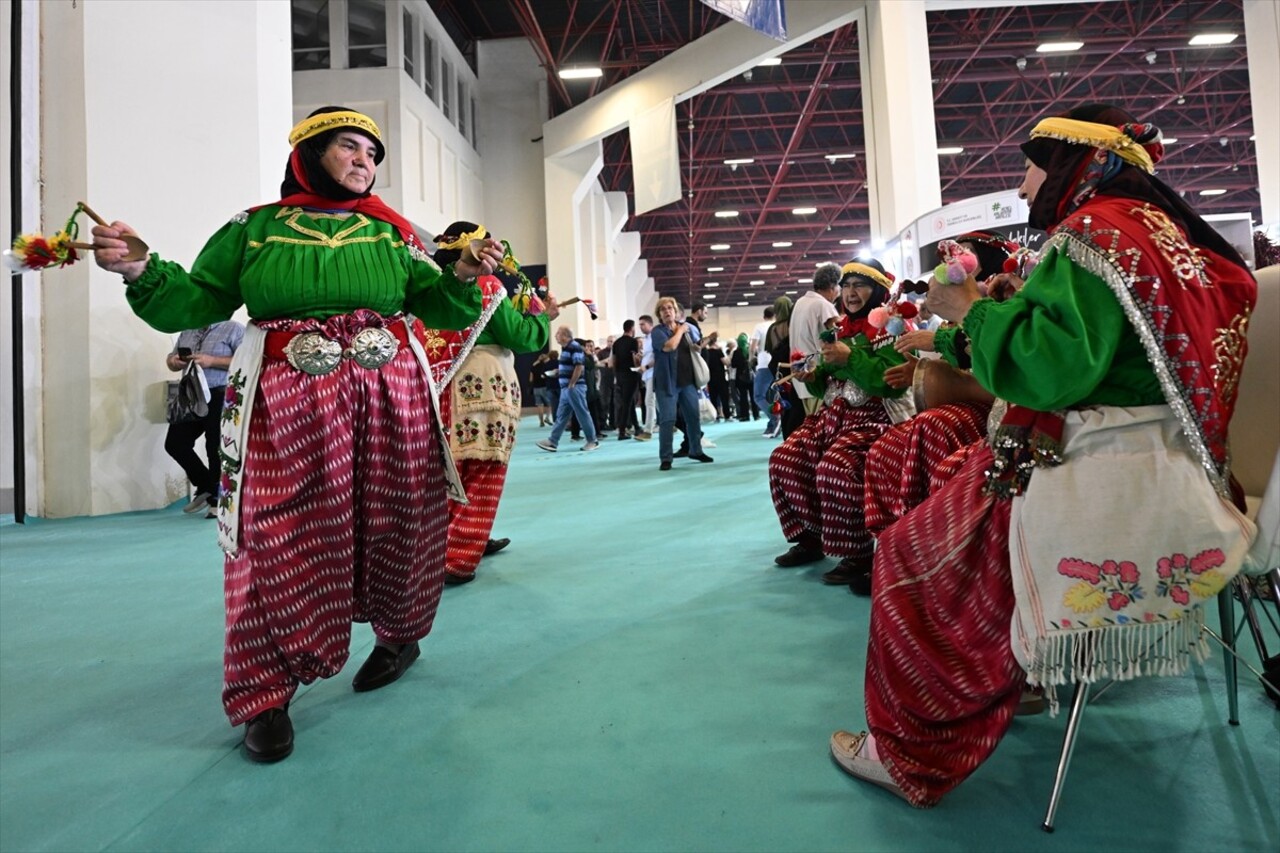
[(324, 122), (855, 268), (462, 241), (1097, 136)]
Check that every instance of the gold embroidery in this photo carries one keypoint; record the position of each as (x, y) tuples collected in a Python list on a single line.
[(1187, 262), (319, 238), (1229, 347)]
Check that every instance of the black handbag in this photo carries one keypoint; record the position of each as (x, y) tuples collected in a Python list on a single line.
[(188, 403)]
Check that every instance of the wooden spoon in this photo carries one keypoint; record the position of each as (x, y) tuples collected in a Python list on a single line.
[(138, 250)]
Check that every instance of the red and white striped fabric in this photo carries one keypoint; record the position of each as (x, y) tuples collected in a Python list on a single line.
[(815, 477), (942, 682), (471, 523), (901, 462), (343, 519)]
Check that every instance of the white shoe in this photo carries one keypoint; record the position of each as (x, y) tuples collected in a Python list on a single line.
[(590, 446), (706, 443), (202, 501), (546, 445), (846, 749)]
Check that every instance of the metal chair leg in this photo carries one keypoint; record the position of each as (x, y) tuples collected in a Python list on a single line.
[(1078, 701), (1227, 618)]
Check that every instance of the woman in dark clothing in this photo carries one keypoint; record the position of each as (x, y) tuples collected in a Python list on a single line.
[(741, 364), (718, 387)]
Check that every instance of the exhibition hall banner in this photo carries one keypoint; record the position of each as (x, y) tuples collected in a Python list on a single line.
[(764, 16)]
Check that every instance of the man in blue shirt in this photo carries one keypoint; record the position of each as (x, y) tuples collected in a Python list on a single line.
[(211, 348), (573, 393)]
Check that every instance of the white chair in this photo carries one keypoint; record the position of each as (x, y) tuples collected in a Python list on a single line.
[(1255, 443)]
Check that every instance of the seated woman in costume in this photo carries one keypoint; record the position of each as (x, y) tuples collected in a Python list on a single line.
[(952, 409), (1120, 359), (815, 475)]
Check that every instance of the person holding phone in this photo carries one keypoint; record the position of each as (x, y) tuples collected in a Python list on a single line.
[(210, 347)]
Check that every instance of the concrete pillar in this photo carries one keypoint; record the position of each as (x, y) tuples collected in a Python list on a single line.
[(1262, 38), (897, 113), (569, 180), (226, 101)]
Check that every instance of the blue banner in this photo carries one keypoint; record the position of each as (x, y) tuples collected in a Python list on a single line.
[(764, 16)]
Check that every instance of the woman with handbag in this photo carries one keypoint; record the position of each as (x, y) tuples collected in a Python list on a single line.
[(676, 358)]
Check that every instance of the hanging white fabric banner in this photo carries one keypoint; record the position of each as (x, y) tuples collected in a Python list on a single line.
[(655, 157)]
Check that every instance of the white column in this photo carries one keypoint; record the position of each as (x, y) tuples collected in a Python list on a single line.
[(1262, 38), (569, 180), (226, 101), (897, 111)]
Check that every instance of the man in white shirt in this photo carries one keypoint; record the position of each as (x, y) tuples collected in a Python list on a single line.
[(814, 313), (763, 377), (646, 376)]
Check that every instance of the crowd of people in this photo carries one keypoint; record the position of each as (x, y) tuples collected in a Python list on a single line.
[(973, 451)]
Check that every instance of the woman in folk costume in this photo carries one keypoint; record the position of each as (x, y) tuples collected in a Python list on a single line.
[(482, 400), (815, 475), (1099, 518), (952, 408), (335, 470)]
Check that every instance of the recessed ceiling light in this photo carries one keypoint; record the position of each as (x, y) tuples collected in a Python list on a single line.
[(580, 73), (1059, 46), (768, 266), (951, 149), (804, 211), (782, 244), (1212, 192), (855, 241), (790, 292), (744, 303), (756, 281), (748, 295), (773, 60), (805, 280), (1211, 39), (712, 284), (708, 296), (715, 269), (739, 161), (1169, 140), (834, 157), (725, 214), (719, 247)]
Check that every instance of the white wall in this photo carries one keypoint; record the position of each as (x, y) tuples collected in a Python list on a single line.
[(174, 154)]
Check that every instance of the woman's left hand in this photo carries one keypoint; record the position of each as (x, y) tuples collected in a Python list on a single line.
[(901, 375), (836, 354), (952, 301), (488, 259)]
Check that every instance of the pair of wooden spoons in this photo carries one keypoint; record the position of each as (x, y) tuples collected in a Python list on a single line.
[(137, 249)]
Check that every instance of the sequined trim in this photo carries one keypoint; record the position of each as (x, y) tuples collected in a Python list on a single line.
[(1098, 251), (842, 389), (241, 218), (422, 257)]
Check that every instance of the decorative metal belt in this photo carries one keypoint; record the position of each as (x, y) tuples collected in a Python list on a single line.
[(316, 354)]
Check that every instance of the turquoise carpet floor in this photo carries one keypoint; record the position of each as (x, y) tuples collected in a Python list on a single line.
[(631, 674)]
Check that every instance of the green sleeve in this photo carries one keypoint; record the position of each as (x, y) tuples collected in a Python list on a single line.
[(950, 343), (1053, 343), (438, 299), (515, 331), (170, 299), (866, 367)]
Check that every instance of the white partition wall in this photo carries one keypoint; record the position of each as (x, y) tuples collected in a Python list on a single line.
[(175, 156)]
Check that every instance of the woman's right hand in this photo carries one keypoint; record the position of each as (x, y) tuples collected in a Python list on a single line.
[(918, 339), (111, 251)]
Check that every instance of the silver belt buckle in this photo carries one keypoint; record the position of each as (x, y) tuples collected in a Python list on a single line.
[(372, 348), (313, 353)]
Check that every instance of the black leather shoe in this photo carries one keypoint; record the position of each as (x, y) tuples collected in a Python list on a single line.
[(450, 579), (384, 666), (665, 465), (681, 453), (849, 571), (493, 546), (702, 457), (268, 737), (799, 555)]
